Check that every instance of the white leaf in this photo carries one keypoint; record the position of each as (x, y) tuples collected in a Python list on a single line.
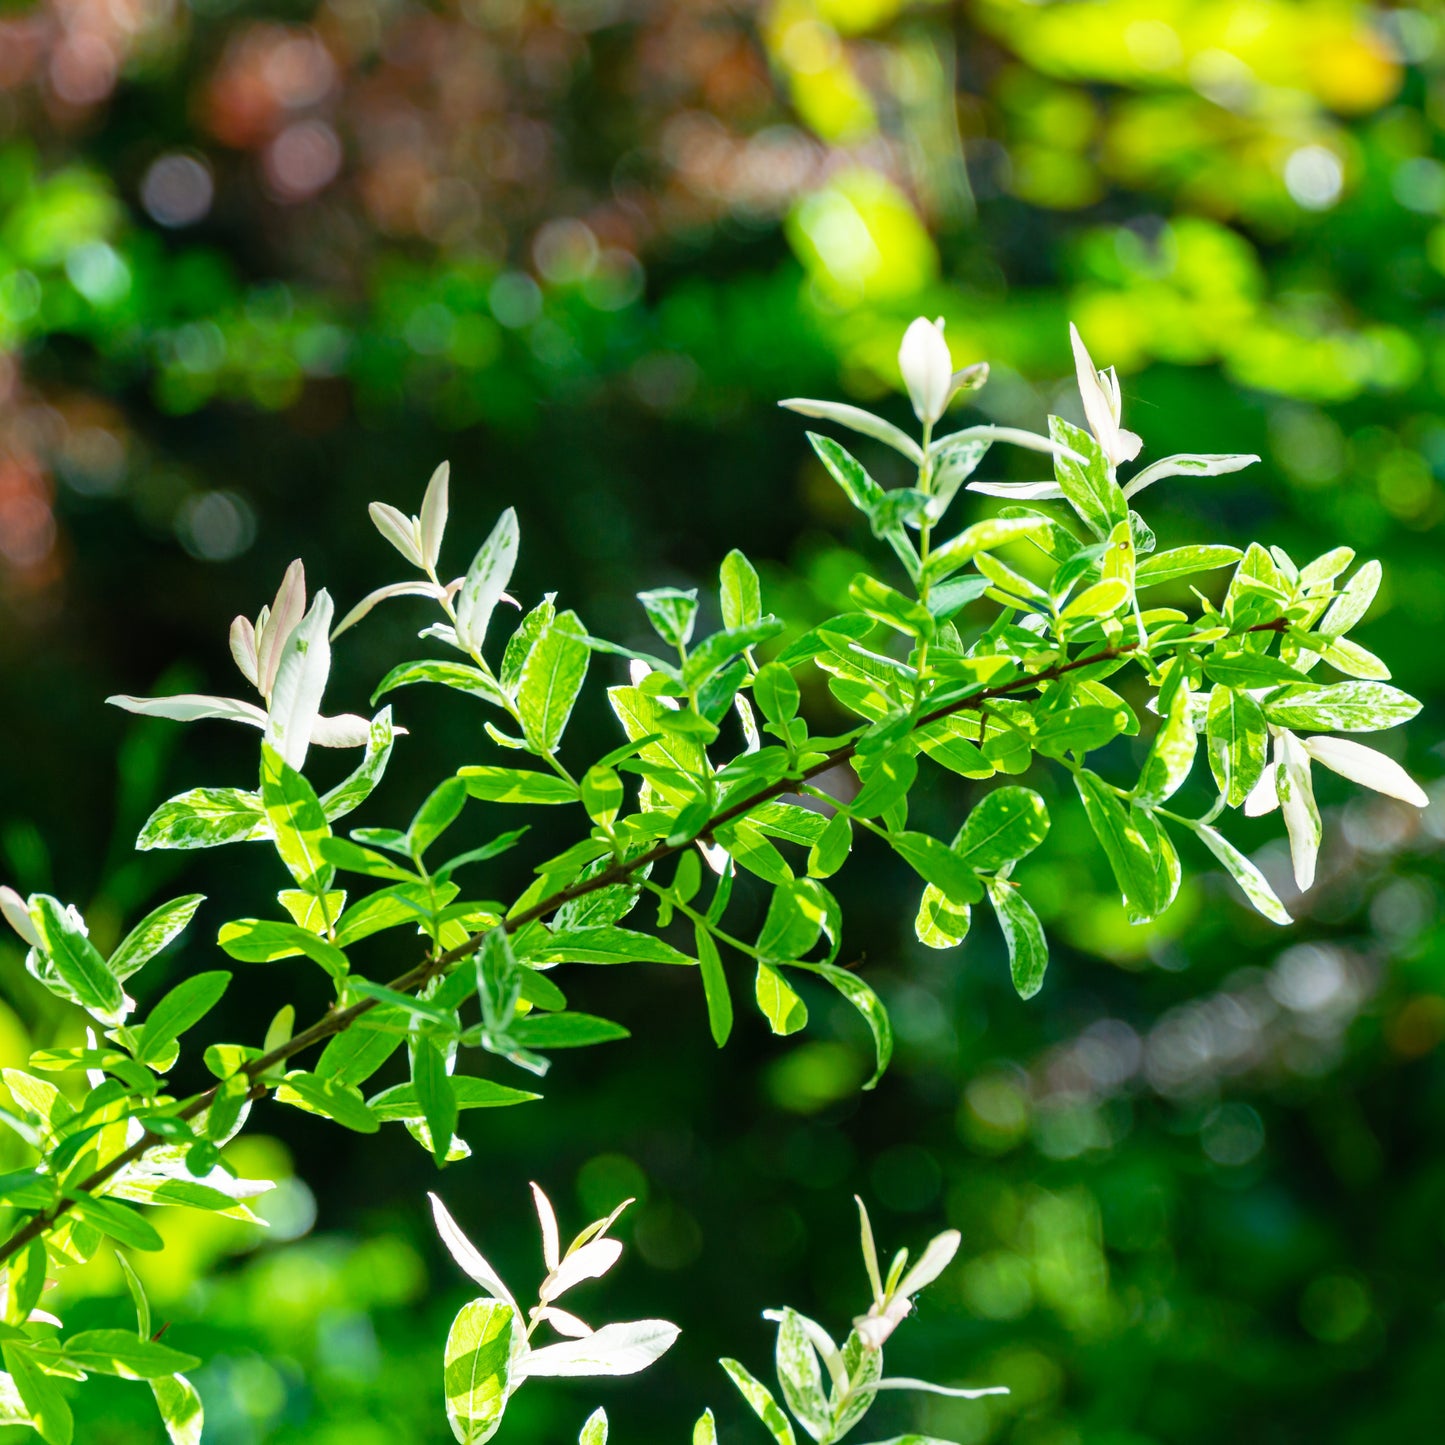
[(1297, 800), (382, 594), (547, 1219), (190, 706), (466, 1254), (1188, 464), (1019, 491), (590, 1262), (927, 369), (17, 915), (282, 615), (300, 680), (1264, 796), (398, 529), (931, 1263), (345, 730), (620, 1349), (856, 419), (243, 649), (957, 1394), (565, 1323), (1366, 766), (434, 514), (599, 1226), (486, 581), (1099, 391)]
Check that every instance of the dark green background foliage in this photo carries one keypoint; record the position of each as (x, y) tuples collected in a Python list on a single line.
[(261, 264)]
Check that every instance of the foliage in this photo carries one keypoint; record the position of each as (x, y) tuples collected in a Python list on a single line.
[(583, 245), (976, 671)]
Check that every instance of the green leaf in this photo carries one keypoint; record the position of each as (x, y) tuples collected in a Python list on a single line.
[(886, 781), (180, 1408), (1238, 741), (441, 809), (1252, 882), (1103, 599), (602, 945), (1028, 950), (741, 593), (49, 1412), (1346, 707), (1087, 485), (516, 785), (460, 676), (353, 858), (434, 1093), (936, 863), (205, 818), (1006, 825), (153, 933), (478, 1369), (1129, 839), (705, 1431), (565, 1031), (868, 1004), (184, 1006), (400, 1102), (831, 850), (721, 648), (523, 640), (801, 1376), (1354, 601), (940, 924), (330, 1098), (354, 1056), (1079, 728), (354, 789), (798, 912), (1172, 755), (551, 680), (76, 960), (297, 820), (25, 1281), (258, 940), (1249, 669), (119, 1352), (985, 536), (594, 1432), (785, 1012), (137, 1294), (776, 692), (1181, 562), (761, 1399), (887, 605), (117, 1221), (486, 581), (602, 794), (672, 613), (714, 986), (850, 474)]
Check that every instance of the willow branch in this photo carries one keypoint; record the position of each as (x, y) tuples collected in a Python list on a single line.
[(338, 1019)]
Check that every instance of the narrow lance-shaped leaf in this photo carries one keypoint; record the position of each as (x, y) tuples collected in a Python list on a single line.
[(301, 675), (478, 1369), (1028, 950), (486, 581), (298, 821)]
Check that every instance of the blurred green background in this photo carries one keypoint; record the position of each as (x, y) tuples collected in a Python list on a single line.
[(261, 263)]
